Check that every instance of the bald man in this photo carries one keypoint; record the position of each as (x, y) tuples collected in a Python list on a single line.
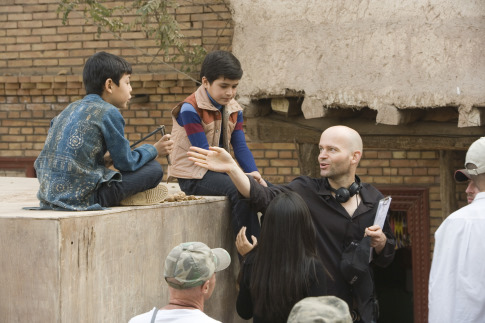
[(342, 207)]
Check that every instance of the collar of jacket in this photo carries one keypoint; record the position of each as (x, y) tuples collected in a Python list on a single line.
[(204, 101)]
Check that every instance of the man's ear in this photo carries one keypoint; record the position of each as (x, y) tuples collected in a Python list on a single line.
[(108, 85), (356, 156), (205, 287)]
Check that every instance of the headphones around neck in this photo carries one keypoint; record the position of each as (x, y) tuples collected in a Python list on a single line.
[(343, 194)]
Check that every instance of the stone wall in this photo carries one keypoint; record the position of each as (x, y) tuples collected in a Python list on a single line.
[(102, 266)]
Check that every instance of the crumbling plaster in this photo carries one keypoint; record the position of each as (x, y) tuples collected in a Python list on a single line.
[(376, 54)]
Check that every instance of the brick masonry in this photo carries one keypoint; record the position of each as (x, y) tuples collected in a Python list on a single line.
[(41, 63)]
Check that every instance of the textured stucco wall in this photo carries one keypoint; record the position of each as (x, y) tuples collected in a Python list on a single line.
[(102, 266), (363, 53)]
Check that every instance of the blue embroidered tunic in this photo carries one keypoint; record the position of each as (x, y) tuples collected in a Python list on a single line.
[(70, 168)]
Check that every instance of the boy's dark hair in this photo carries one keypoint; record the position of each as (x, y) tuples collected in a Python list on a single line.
[(221, 63), (100, 67)]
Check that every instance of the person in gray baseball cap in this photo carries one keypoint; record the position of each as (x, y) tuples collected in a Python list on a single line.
[(190, 274), (456, 284), (321, 309), (461, 175)]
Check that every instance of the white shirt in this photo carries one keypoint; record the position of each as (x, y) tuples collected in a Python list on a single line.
[(457, 277), (174, 316)]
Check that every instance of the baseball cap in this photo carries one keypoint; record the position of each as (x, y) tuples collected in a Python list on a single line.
[(325, 309), (461, 175), (476, 155), (190, 264)]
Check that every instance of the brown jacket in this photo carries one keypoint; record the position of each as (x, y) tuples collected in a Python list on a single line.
[(213, 124)]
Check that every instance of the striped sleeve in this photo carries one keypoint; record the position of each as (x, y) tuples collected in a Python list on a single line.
[(190, 120), (241, 151)]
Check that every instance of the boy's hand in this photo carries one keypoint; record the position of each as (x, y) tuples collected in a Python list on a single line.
[(164, 146), (257, 176), (108, 161)]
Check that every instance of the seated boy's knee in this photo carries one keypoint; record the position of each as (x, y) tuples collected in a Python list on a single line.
[(154, 171)]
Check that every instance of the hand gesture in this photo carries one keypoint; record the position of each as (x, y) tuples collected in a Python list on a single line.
[(215, 159), (219, 160), (242, 243), (164, 146)]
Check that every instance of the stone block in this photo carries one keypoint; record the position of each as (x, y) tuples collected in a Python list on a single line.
[(102, 266)]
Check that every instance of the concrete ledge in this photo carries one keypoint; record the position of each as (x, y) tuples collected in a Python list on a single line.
[(102, 266)]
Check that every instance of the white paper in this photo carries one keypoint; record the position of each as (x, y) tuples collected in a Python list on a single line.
[(381, 215), (382, 210)]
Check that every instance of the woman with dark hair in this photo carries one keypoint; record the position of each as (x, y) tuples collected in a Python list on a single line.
[(284, 267)]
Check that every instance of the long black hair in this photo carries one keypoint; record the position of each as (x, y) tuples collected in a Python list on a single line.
[(285, 258)]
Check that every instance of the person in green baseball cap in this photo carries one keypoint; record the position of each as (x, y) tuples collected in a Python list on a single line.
[(190, 274)]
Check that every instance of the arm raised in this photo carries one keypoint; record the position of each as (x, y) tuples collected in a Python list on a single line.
[(219, 160)]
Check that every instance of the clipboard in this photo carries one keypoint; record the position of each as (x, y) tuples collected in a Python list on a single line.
[(381, 215), (382, 210)]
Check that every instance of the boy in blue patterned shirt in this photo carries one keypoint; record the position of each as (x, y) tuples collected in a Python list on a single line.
[(87, 137)]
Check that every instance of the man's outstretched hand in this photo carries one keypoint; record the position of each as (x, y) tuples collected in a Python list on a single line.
[(215, 159)]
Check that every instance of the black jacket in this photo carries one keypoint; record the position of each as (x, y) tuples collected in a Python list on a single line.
[(335, 228)]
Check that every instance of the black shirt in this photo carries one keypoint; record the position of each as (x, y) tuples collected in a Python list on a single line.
[(334, 226)]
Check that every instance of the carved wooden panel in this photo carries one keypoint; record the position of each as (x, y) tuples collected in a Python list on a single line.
[(415, 202)]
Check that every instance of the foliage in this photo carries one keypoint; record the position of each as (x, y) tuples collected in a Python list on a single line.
[(153, 17)]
